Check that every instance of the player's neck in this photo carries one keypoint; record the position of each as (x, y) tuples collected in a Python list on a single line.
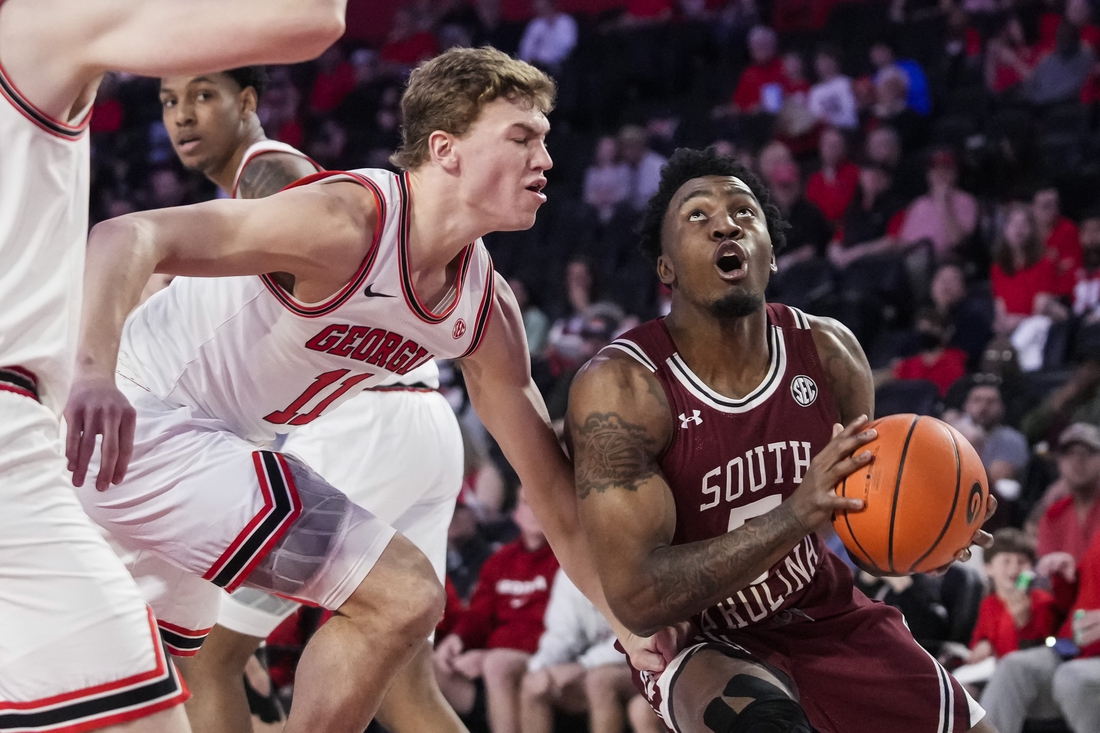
[(440, 224), (730, 354), (224, 176)]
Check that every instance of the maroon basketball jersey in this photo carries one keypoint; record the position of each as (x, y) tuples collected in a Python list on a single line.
[(734, 459)]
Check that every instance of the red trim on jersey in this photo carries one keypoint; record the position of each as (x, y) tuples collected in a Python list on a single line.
[(57, 128), (340, 297), (6, 387), (484, 314), (182, 642), (184, 631), (258, 153), (411, 298)]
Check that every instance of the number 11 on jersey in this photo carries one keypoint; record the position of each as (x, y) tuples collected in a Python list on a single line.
[(291, 415)]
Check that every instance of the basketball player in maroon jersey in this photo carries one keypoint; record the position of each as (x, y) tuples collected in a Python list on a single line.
[(706, 449), (212, 121)]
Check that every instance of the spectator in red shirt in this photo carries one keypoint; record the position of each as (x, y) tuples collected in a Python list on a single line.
[(1060, 236), (335, 79), (872, 221), (500, 630), (832, 187), (1014, 615), (1025, 282), (1008, 59), (760, 87), (1061, 681), (1070, 523), (407, 44), (937, 362)]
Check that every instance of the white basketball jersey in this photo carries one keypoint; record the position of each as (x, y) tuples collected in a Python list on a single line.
[(426, 375), (44, 175), (258, 361)]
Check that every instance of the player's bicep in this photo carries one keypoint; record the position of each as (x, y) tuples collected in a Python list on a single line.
[(162, 37), (269, 173), (846, 368)]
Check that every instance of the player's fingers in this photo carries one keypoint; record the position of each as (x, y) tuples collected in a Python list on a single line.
[(990, 508), (963, 555), (84, 450), (982, 539), (837, 429), (125, 444), (645, 660), (847, 467), (108, 452), (74, 426)]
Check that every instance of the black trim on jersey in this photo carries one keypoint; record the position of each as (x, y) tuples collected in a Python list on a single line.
[(285, 505), (897, 493), (20, 380), (38, 117), (484, 313), (180, 645), (775, 373), (353, 285), (954, 502), (632, 349), (411, 297), (947, 700), (85, 711)]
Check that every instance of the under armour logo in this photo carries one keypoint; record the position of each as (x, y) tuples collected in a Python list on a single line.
[(459, 329), (685, 420)]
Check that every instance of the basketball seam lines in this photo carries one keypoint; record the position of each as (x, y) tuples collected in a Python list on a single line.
[(954, 503), (851, 532), (897, 493)]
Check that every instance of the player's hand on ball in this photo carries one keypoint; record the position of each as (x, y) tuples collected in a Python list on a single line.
[(96, 407), (653, 653), (815, 500), (981, 538)]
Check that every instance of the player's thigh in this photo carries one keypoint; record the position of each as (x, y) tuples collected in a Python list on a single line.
[(78, 645), (389, 451)]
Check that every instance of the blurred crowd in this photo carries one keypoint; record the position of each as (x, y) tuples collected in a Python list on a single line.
[(937, 161)]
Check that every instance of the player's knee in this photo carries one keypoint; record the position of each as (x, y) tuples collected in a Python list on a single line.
[(405, 596), (771, 710)]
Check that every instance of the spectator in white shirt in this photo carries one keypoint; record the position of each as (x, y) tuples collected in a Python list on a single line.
[(832, 100), (607, 181), (578, 668), (644, 164), (549, 37)]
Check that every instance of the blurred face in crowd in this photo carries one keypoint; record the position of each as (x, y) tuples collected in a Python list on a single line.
[(826, 66), (785, 184), (168, 189), (717, 247), (578, 277), (606, 150), (832, 147), (792, 66), (1079, 465), (942, 176), (206, 117), (762, 45), (1078, 12), (633, 143), (948, 287), (874, 181), (883, 147), (1005, 568), (891, 89), (1090, 242), (984, 406), (881, 55), (1045, 207), (1017, 229)]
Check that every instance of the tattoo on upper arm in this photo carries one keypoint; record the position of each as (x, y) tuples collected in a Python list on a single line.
[(849, 377), (611, 452), (267, 175)]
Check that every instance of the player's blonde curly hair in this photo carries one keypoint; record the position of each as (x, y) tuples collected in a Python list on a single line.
[(448, 92)]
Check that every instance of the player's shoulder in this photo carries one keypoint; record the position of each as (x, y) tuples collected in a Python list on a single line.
[(614, 381), (832, 338)]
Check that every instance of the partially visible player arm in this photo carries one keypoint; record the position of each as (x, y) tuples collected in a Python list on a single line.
[(271, 172), (620, 423), (853, 388), (212, 239), (498, 378), (55, 48)]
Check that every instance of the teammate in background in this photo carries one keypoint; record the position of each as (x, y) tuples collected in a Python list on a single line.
[(395, 449), (388, 271), (78, 650), (706, 451)]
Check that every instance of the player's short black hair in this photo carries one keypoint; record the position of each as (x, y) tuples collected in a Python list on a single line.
[(250, 76), (686, 164)]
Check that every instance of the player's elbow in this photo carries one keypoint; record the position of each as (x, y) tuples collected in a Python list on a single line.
[(638, 612), (322, 26)]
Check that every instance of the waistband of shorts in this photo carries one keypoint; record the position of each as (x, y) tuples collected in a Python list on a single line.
[(19, 380), (414, 387)]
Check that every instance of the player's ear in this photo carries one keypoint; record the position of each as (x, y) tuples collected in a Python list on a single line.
[(665, 271), (774, 266), (249, 101), (441, 148)]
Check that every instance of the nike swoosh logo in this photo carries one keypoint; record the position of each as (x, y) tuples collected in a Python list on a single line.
[(371, 294)]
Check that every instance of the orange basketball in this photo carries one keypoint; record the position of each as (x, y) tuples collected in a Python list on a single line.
[(925, 495)]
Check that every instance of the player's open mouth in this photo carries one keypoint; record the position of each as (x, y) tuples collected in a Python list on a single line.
[(730, 261), (536, 188), (187, 144)]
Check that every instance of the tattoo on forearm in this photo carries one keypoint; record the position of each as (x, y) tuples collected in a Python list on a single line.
[(611, 452), (267, 175)]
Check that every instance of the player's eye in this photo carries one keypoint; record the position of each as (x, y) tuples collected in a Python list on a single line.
[(697, 216), (520, 140), (166, 103), (746, 210)]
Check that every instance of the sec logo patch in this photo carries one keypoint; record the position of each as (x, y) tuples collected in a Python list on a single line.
[(460, 329), (804, 390)]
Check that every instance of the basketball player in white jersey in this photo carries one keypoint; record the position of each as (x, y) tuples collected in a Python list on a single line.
[(77, 648), (388, 272), (394, 449)]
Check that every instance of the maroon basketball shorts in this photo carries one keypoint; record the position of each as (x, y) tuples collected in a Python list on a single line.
[(852, 662)]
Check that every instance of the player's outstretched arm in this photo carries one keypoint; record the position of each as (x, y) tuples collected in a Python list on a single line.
[(55, 48), (620, 424), (213, 239)]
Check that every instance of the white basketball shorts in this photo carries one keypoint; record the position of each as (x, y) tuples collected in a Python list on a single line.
[(395, 452), (202, 510), (79, 648)]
